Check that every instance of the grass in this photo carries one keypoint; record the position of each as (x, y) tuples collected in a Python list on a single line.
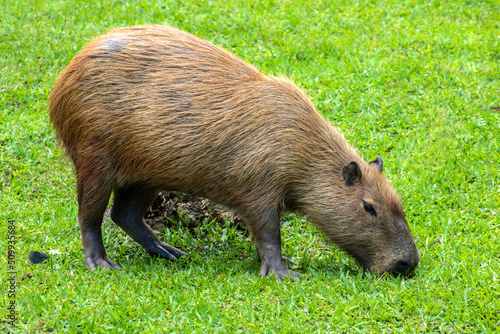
[(411, 81)]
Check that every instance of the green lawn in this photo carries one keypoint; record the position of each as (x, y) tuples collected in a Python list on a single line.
[(417, 83)]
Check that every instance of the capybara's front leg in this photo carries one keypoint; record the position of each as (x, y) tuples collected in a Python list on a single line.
[(129, 206), (267, 235)]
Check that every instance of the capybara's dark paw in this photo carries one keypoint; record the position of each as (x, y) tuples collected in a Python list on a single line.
[(165, 251), (172, 250), (94, 261), (279, 273)]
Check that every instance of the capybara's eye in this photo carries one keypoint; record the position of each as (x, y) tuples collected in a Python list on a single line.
[(369, 208)]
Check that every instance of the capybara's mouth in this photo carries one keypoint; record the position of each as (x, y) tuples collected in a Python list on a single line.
[(402, 266)]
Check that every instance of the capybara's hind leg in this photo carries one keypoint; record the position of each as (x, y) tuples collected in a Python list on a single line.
[(93, 198), (129, 207)]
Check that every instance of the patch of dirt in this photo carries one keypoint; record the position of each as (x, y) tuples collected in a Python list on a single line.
[(176, 209)]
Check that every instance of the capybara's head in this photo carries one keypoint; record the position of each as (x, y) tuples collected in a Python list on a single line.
[(367, 220)]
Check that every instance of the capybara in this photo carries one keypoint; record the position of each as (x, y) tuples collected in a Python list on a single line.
[(150, 108)]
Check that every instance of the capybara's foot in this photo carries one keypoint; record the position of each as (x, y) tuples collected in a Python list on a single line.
[(280, 271), (164, 250), (94, 261)]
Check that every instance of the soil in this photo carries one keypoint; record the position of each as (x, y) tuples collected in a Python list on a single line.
[(175, 209)]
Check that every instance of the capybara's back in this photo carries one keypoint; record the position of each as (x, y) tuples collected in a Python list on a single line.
[(152, 108)]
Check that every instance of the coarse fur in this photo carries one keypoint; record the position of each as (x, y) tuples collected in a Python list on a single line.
[(151, 107)]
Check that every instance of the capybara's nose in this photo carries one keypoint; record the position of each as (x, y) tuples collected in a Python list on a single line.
[(406, 264)]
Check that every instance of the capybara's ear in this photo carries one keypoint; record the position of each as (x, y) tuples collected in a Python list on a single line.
[(378, 164), (351, 174)]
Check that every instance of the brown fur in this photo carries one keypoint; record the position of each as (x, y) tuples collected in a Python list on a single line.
[(151, 107)]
